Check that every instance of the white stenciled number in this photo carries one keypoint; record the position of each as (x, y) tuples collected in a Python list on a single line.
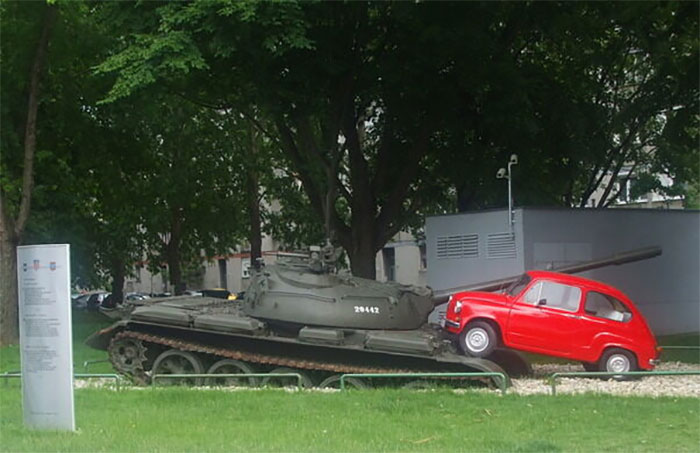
[(365, 309)]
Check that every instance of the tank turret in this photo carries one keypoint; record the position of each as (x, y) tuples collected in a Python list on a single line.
[(307, 291)]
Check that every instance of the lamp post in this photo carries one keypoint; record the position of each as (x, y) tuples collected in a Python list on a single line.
[(503, 174)]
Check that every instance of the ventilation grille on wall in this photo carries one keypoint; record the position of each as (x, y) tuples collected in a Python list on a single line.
[(458, 246), (500, 245)]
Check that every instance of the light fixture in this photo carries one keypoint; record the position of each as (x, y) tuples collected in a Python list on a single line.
[(502, 173)]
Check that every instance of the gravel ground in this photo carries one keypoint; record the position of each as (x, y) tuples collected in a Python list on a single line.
[(684, 386), (647, 386)]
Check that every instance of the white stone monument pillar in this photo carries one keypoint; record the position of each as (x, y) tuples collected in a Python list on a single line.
[(46, 350)]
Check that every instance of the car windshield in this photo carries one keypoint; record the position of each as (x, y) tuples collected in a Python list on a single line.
[(517, 286)]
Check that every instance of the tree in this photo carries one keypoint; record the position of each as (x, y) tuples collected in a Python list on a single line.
[(192, 183), (353, 120), (646, 72), (14, 213), (579, 92)]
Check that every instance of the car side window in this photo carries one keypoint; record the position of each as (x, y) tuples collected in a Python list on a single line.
[(533, 294), (607, 307), (554, 295)]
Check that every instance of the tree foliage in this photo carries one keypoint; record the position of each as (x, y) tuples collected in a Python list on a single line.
[(172, 129), (382, 108)]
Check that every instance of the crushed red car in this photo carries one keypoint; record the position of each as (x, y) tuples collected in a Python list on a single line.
[(558, 315)]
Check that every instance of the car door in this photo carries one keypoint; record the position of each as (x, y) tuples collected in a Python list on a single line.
[(545, 318), (603, 315)]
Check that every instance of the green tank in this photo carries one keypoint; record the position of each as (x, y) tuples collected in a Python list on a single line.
[(298, 315)]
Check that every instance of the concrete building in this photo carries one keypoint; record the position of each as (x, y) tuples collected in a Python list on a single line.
[(224, 271), (403, 260), (469, 248), (624, 186)]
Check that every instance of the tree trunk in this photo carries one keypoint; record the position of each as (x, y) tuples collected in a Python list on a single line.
[(9, 321), (253, 199), (362, 259), (11, 230), (118, 276), (173, 253), (174, 268)]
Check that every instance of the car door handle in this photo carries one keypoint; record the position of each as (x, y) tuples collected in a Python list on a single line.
[(572, 316)]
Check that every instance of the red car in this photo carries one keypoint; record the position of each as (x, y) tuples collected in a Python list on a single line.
[(558, 315)]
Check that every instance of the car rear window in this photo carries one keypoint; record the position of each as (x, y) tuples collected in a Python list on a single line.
[(607, 307)]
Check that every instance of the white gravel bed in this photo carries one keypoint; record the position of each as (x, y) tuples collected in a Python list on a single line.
[(655, 386)]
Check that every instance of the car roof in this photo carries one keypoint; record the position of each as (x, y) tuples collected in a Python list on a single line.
[(578, 281)]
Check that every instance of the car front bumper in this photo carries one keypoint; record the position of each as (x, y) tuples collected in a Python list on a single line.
[(450, 323)]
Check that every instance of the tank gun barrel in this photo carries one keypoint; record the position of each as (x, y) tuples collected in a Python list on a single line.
[(616, 259)]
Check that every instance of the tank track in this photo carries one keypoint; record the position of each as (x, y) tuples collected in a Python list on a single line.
[(141, 376)]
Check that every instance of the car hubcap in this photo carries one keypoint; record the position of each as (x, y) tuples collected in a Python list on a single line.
[(618, 363), (477, 340)]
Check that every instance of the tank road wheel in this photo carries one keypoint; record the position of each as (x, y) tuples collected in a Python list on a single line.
[(478, 339), (333, 382), (272, 381), (230, 366), (616, 360), (174, 361), (128, 355)]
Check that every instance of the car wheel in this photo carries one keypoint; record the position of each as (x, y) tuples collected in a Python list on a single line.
[(617, 360), (478, 339)]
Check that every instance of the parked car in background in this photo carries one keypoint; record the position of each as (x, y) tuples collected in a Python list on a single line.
[(94, 302), (79, 301), (219, 293), (559, 315)]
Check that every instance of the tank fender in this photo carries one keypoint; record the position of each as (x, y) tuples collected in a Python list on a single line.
[(485, 365), (102, 338)]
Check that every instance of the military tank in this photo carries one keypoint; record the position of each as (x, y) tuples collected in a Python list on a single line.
[(298, 315)]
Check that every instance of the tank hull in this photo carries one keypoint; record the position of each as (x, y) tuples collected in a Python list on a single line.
[(216, 331)]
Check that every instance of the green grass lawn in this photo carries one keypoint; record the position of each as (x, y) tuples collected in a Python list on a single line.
[(178, 419)]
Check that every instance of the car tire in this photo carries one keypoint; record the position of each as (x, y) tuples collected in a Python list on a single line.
[(617, 360), (478, 339)]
